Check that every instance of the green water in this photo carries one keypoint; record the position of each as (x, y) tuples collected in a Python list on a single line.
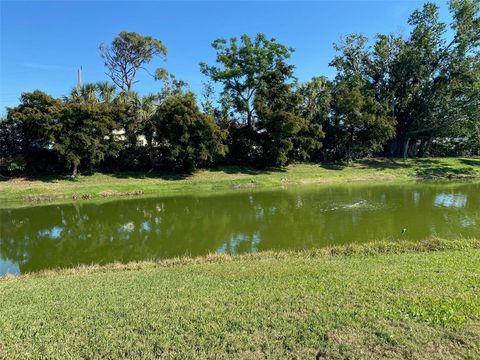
[(51, 236)]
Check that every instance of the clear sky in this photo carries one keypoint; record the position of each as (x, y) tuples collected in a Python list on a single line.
[(44, 43)]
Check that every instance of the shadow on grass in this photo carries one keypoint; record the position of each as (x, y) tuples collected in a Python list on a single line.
[(436, 168), (247, 170), (42, 178), (445, 171), (384, 163), (378, 164), (424, 168), (470, 162), (422, 162), (333, 166), (119, 175), (163, 175)]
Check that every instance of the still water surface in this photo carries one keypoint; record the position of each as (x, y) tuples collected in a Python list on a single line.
[(51, 236)]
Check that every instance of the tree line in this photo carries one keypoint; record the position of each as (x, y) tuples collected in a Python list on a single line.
[(397, 96)]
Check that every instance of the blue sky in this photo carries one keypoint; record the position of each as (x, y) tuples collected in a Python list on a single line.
[(44, 43)]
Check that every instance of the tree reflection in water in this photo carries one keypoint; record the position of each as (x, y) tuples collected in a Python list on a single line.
[(40, 237)]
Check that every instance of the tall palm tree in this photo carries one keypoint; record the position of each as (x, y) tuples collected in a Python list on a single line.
[(139, 115), (85, 94), (148, 106), (145, 114), (89, 93), (106, 91)]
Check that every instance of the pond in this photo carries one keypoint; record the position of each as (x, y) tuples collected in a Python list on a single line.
[(51, 236)]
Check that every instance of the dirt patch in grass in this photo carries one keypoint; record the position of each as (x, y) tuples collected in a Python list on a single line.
[(110, 193), (38, 198)]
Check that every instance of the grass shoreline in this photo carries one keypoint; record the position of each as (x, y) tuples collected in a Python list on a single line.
[(402, 300), (352, 249), (18, 191)]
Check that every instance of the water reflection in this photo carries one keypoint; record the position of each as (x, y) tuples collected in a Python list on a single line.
[(53, 233), (451, 200), (36, 238), (8, 267)]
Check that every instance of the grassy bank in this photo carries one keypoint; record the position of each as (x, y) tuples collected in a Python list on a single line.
[(398, 300), (131, 184)]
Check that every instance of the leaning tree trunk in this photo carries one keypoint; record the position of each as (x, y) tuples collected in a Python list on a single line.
[(405, 148), (425, 147), (429, 145), (413, 149)]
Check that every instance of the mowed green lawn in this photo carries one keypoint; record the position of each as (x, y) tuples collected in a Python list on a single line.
[(229, 178), (377, 301)]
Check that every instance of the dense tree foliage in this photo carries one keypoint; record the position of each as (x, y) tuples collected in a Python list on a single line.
[(360, 120), (430, 82), (260, 106), (29, 131), (412, 95), (283, 133), (49, 132), (186, 138), (242, 69), (85, 135)]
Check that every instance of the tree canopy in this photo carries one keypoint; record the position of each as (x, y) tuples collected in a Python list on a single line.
[(242, 68), (186, 137), (413, 94), (127, 54)]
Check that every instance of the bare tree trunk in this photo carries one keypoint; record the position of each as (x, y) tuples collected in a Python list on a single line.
[(428, 146), (413, 151), (349, 155), (421, 148), (391, 148), (425, 147), (405, 148), (75, 170), (249, 119)]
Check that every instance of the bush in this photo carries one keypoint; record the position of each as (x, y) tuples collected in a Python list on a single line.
[(186, 138)]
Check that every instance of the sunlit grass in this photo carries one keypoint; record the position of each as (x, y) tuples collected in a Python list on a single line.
[(232, 178), (400, 300)]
